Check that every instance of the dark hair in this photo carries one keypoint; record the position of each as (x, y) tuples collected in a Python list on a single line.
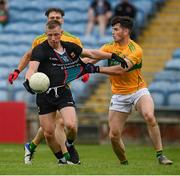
[(53, 24), (2, 2), (124, 21), (53, 9)]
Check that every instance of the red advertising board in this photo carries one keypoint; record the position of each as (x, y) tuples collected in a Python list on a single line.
[(12, 122)]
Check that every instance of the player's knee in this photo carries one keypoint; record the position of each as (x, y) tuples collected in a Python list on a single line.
[(49, 134), (150, 119), (114, 135), (71, 127), (61, 122)]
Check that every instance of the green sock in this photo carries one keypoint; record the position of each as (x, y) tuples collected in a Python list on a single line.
[(159, 153), (32, 146), (66, 156), (125, 162)]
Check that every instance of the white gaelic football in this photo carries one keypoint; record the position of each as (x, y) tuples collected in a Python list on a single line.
[(39, 82)]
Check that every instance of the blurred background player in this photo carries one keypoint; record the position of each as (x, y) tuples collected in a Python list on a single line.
[(125, 8), (99, 13), (129, 89), (4, 13), (52, 14)]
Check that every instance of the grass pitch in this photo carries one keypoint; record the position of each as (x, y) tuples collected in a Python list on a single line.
[(95, 159)]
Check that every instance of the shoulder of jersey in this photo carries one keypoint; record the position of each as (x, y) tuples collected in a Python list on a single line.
[(109, 43), (40, 37), (67, 34), (133, 45)]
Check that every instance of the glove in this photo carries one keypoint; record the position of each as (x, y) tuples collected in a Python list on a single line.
[(27, 87), (91, 68), (85, 78), (13, 76), (119, 59)]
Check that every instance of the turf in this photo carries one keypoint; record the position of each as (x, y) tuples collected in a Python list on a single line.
[(96, 160)]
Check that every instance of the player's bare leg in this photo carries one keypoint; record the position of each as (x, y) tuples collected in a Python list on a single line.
[(60, 137), (47, 122), (60, 132), (116, 123), (70, 122), (146, 107)]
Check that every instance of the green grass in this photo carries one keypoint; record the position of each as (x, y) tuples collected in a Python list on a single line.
[(95, 159)]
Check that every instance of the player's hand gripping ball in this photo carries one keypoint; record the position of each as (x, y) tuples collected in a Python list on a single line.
[(39, 82)]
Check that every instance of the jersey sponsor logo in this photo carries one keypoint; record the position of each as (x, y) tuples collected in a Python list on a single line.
[(67, 63), (53, 59), (65, 58), (64, 66)]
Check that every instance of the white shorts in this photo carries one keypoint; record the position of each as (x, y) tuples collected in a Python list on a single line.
[(124, 103)]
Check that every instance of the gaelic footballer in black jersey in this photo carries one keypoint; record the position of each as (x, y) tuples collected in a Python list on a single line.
[(61, 68)]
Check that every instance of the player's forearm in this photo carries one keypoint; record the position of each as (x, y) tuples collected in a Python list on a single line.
[(24, 60), (96, 54), (33, 67), (101, 55), (89, 60), (113, 70), (29, 73)]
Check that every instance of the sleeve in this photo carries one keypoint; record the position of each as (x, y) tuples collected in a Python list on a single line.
[(76, 49), (136, 56), (78, 42), (68, 37), (105, 48), (35, 43), (37, 54)]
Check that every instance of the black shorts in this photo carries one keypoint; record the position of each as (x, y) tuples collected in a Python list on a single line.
[(48, 102)]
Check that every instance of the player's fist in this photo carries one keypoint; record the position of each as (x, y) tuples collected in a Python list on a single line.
[(27, 87), (91, 68), (85, 78), (13, 76)]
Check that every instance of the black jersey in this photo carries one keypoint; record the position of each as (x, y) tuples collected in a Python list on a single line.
[(60, 68)]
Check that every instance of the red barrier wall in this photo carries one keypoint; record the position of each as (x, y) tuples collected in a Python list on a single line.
[(12, 122)]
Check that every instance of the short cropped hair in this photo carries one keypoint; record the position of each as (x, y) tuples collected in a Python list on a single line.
[(53, 9), (53, 24), (124, 21)]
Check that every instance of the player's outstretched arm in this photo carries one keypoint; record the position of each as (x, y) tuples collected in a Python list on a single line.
[(99, 55), (21, 66), (111, 70), (96, 54)]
